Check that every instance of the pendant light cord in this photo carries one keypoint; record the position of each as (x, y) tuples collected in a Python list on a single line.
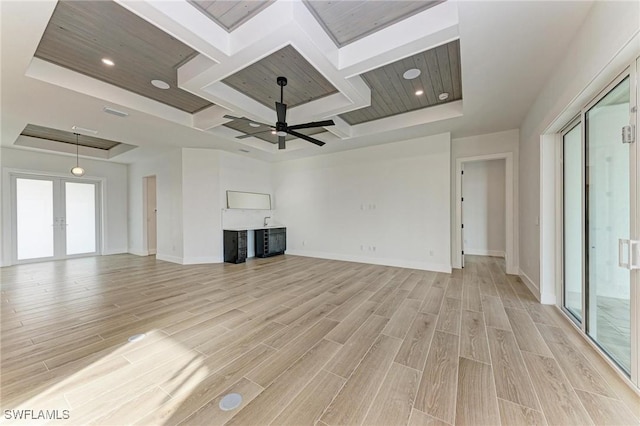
[(77, 155)]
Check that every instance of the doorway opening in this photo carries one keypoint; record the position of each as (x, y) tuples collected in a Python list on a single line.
[(484, 208), (487, 221), (150, 214)]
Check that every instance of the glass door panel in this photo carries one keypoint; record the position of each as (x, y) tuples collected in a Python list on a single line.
[(608, 213), (572, 208), (35, 224), (80, 212), (53, 218)]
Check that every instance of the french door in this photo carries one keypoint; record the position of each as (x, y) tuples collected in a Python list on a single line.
[(54, 218), (601, 222)]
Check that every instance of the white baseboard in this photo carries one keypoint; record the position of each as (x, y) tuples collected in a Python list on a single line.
[(484, 252), (151, 252), (169, 258), (530, 284), (200, 260), (115, 251), (188, 260), (446, 268), (139, 252)]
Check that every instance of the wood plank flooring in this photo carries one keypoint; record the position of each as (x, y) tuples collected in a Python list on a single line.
[(305, 341)]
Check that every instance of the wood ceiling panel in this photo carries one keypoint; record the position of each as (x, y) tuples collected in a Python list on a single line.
[(231, 14), (81, 33), (391, 94), (48, 133), (244, 127), (258, 80), (348, 21)]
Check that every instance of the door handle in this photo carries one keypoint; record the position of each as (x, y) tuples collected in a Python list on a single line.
[(632, 252)]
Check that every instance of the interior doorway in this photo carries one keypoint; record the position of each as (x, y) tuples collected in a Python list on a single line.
[(150, 213), (484, 208), (503, 165)]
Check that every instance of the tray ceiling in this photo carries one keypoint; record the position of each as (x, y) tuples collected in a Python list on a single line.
[(81, 33), (348, 21), (258, 80), (56, 135), (391, 94), (230, 14)]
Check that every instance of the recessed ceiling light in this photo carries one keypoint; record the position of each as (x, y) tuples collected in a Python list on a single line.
[(443, 96), (108, 62), (160, 84), (254, 125), (273, 132), (411, 74), (419, 92)]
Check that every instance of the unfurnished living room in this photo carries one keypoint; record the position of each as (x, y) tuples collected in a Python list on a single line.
[(305, 212)]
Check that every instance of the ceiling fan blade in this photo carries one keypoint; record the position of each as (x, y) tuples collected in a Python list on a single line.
[(281, 142), (312, 124), (305, 137), (231, 117), (248, 135), (281, 110)]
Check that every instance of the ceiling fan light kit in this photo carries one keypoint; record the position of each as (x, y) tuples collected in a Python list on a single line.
[(282, 129)]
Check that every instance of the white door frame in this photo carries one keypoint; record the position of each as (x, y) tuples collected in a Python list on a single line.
[(13, 174), (555, 190), (510, 258)]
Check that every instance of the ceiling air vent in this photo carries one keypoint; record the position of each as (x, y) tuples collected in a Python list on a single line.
[(115, 112)]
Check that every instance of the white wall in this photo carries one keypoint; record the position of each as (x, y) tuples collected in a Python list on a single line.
[(483, 209), (476, 146), (114, 192), (168, 171), (386, 204), (191, 196), (201, 206), (607, 30)]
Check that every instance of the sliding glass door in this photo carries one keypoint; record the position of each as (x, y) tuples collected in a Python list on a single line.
[(573, 224), (601, 222), (608, 212), (54, 218)]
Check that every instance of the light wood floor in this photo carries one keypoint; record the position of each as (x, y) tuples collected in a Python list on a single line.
[(305, 341)]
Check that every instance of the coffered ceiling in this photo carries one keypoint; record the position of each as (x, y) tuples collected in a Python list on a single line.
[(230, 14), (348, 21), (344, 61), (392, 94), (258, 80), (81, 33)]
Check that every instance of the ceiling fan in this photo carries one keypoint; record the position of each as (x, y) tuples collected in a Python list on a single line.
[(281, 128)]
